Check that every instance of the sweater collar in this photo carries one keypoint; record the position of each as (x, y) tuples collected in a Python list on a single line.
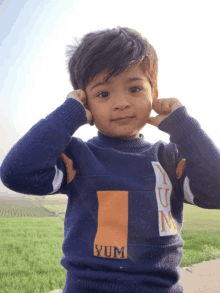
[(117, 142)]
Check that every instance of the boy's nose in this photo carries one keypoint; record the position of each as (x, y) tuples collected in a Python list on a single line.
[(121, 101)]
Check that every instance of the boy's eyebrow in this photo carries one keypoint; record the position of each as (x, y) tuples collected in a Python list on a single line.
[(127, 81)]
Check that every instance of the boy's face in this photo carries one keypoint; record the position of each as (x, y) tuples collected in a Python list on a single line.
[(119, 99)]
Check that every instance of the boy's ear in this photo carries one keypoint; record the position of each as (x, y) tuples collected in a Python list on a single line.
[(87, 106), (155, 94)]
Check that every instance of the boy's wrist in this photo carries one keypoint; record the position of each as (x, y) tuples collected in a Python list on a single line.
[(76, 95), (73, 95)]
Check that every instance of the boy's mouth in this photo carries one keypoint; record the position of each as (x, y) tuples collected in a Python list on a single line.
[(124, 118)]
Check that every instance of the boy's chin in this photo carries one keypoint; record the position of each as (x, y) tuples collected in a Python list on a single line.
[(120, 135)]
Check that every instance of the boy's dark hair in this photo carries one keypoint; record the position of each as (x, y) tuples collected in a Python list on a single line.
[(112, 49)]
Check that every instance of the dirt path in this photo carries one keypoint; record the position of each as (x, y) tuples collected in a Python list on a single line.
[(201, 278)]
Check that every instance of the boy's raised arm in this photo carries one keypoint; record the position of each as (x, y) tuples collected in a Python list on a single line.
[(35, 164)]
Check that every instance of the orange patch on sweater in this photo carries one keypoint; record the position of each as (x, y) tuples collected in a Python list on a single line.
[(180, 168), (69, 167), (112, 232)]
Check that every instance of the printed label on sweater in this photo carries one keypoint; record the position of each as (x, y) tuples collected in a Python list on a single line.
[(116, 217), (112, 233), (163, 189)]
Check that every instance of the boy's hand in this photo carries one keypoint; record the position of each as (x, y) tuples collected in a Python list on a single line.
[(81, 96), (164, 107)]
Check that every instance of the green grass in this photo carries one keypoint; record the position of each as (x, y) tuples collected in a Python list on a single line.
[(31, 250), (32, 237), (201, 234)]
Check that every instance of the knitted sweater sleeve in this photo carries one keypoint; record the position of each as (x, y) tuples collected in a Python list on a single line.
[(198, 168), (37, 164)]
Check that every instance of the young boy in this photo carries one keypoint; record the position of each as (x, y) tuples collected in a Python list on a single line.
[(122, 230)]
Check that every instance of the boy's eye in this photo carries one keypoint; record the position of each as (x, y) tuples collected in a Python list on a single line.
[(130, 88)]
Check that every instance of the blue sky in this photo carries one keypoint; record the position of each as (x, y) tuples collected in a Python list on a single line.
[(34, 79), (27, 24)]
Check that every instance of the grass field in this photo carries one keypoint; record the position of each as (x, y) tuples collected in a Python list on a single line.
[(32, 237)]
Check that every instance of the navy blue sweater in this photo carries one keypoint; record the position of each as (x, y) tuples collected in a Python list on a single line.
[(122, 229)]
